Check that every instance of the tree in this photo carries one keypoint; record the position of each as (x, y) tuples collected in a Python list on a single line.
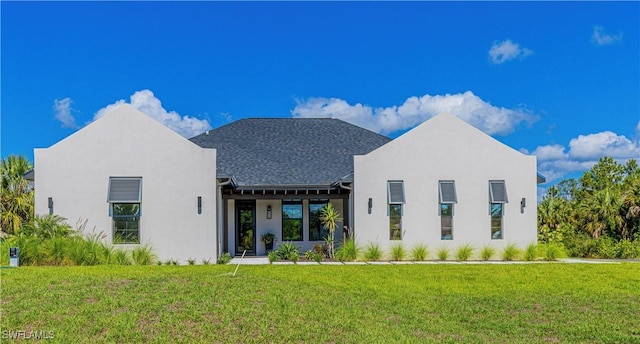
[(600, 213), (329, 216), (16, 195)]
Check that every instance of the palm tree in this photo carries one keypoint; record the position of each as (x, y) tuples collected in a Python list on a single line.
[(600, 213), (328, 217), (16, 195)]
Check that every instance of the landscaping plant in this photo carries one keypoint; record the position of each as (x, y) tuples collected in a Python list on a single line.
[(419, 252), (443, 253), (372, 252), (464, 252), (398, 252), (487, 252)]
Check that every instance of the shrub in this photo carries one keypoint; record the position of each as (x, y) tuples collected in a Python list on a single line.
[(191, 261), (320, 249), (628, 249), (552, 251), (206, 261), (487, 252), (225, 258), (288, 251), (348, 252), (56, 250), (510, 252), (273, 256), (313, 255), (419, 252), (121, 257), (531, 252), (398, 252), (143, 255), (46, 227), (372, 252), (443, 253), (89, 251), (464, 252)]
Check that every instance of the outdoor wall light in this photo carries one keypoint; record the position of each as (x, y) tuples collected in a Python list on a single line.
[(199, 204), (50, 205), (269, 212), (523, 203), (370, 204)]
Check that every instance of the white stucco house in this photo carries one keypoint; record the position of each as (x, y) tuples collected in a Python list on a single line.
[(442, 183)]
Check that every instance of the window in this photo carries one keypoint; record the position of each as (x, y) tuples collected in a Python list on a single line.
[(395, 221), (446, 221), (292, 220), (316, 230), (125, 197), (496, 220), (447, 197), (395, 198), (497, 199), (126, 223)]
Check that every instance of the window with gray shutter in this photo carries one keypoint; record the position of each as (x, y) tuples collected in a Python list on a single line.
[(125, 190), (447, 191), (498, 191), (395, 192)]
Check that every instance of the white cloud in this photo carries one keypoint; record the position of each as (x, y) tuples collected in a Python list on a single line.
[(584, 151), (506, 50), (550, 152), (415, 110), (62, 109), (600, 37), (146, 102)]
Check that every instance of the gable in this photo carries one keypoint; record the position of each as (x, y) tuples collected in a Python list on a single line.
[(442, 136), (123, 126)]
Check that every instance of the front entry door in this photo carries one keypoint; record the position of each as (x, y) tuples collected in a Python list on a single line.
[(246, 227)]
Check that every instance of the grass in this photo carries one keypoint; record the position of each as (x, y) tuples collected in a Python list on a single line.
[(348, 252), (398, 252), (464, 252), (419, 252), (532, 303), (511, 252), (443, 253), (373, 252), (487, 252)]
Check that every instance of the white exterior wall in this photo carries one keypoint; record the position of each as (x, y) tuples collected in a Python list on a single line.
[(126, 143), (445, 148)]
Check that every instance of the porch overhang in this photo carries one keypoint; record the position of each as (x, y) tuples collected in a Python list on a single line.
[(284, 191)]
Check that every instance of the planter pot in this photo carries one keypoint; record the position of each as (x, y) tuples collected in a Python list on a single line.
[(269, 246)]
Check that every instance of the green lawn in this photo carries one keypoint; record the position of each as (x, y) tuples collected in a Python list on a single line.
[(520, 303)]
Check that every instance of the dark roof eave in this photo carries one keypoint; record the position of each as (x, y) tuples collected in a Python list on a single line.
[(286, 187), (540, 179)]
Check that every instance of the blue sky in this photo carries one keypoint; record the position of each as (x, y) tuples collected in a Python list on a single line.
[(554, 79)]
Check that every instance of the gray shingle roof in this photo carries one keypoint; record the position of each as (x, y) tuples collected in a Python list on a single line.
[(288, 151)]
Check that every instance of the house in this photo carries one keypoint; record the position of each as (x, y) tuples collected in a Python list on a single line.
[(442, 183)]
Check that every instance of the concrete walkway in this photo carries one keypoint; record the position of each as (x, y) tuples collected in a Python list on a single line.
[(265, 261)]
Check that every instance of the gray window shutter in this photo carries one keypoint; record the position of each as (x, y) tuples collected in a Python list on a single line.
[(125, 190), (447, 189), (395, 192), (498, 191)]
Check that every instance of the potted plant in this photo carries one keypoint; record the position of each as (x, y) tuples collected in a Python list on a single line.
[(268, 239)]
